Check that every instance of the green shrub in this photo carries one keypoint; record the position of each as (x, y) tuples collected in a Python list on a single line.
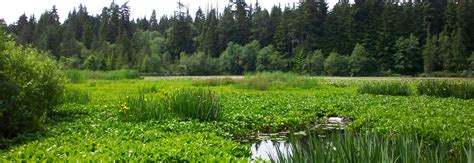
[(75, 96), (198, 64), (314, 63), (445, 88), (269, 59), (78, 76), (31, 86), (337, 65), (393, 88), (197, 104), (370, 147), (360, 64)]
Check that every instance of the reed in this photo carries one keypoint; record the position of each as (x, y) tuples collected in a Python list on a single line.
[(277, 80), (195, 103), (371, 147), (80, 76), (463, 89), (75, 96), (393, 88)]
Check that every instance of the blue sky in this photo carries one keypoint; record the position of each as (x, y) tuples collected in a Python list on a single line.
[(12, 9)]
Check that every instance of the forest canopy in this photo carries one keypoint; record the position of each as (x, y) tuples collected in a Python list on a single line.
[(367, 37)]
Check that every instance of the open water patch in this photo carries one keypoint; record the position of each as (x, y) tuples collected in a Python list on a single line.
[(268, 146)]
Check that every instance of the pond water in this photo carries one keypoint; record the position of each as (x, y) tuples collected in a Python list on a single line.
[(267, 149), (266, 146)]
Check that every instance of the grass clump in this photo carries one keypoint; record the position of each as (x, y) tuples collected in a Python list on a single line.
[(75, 96), (393, 88), (371, 147), (80, 76), (197, 104), (444, 88), (277, 80), (148, 90), (142, 108), (214, 82), (186, 103)]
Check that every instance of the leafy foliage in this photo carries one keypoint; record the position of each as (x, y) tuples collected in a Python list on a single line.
[(314, 63), (408, 56), (31, 87), (437, 30), (360, 63), (336, 65)]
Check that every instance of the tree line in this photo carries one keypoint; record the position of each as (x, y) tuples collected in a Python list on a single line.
[(367, 37)]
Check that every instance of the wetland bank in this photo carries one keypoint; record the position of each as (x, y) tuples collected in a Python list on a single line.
[(220, 119)]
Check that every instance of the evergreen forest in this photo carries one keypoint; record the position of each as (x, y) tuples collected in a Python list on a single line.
[(361, 38)]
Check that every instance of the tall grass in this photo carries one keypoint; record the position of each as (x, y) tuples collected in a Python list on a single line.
[(75, 96), (79, 76), (393, 88), (197, 104), (277, 80), (446, 88), (214, 82), (186, 103), (142, 108), (148, 89), (371, 148)]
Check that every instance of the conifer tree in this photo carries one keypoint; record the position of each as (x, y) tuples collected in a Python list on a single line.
[(153, 21)]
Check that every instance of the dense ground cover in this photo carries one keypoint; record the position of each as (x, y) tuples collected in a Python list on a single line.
[(94, 129)]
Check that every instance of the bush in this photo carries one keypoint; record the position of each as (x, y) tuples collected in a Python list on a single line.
[(336, 65), (31, 86), (385, 88), (229, 60), (360, 64), (269, 59), (198, 64), (445, 88), (407, 59), (314, 63)]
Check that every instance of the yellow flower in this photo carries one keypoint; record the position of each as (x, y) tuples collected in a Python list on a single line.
[(124, 106)]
